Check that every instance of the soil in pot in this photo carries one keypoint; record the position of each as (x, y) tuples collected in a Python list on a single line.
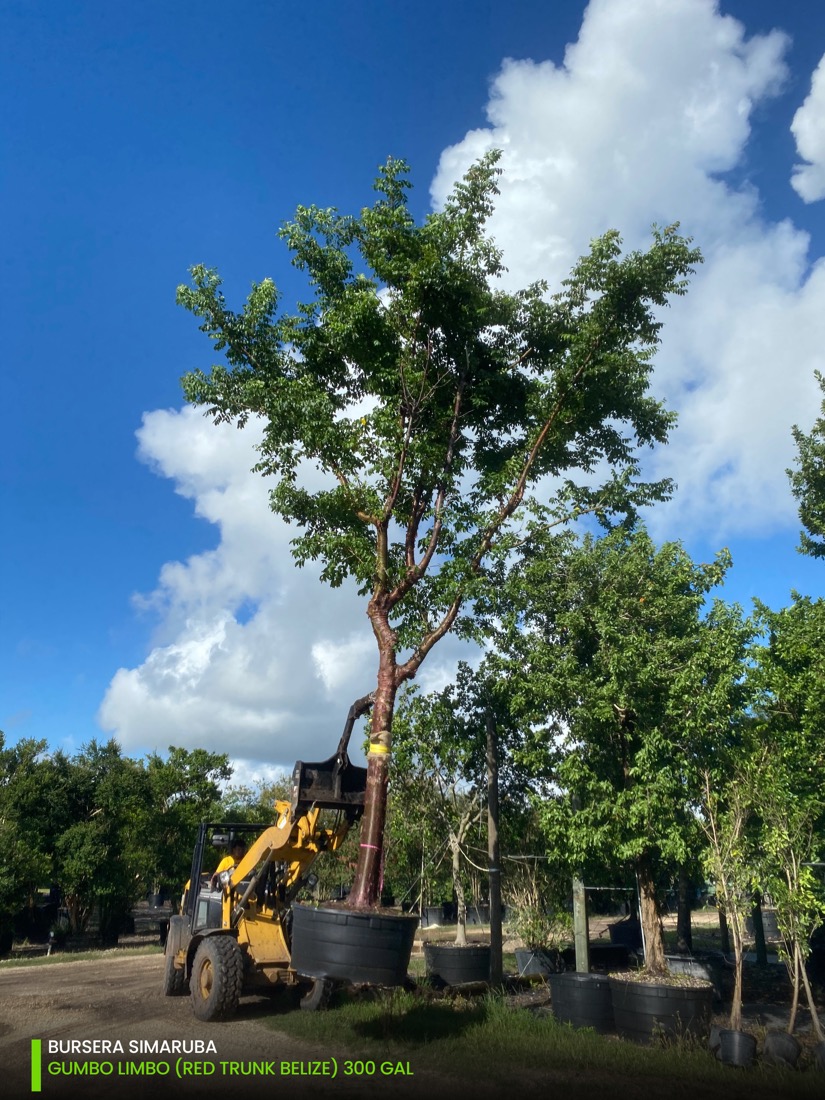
[(645, 1010), (582, 1000), (697, 968), (736, 1048), (781, 1049), (362, 946), (457, 965)]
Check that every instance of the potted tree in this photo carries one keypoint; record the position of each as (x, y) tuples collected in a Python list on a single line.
[(538, 920), (440, 751), (787, 674), (413, 413), (611, 636), (726, 812)]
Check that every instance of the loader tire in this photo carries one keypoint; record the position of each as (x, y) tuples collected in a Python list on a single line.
[(217, 977), (318, 995), (174, 980)]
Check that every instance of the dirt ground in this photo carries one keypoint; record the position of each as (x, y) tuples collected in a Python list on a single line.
[(118, 998)]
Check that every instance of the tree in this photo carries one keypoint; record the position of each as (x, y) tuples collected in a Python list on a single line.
[(726, 809), (808, 482), (440, 412), (439, 751), (627, 685), (185, 789), (789, 710), (99, 856)]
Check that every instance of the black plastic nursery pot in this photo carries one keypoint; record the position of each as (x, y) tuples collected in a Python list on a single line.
[(454, 965), (644, 1010), (583, 1000), (736, 1048), (531, 964), (351, 945), (781, 1049)]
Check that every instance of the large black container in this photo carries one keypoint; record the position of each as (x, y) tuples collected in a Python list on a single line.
[(627, 932), (582, 1000), (432, 916), (644, 1010), (781, 1049), (352, 946), (736, 1048), (454, 965), (538, 963)]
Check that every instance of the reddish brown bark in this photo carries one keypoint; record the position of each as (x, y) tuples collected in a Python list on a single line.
[(366, 887)]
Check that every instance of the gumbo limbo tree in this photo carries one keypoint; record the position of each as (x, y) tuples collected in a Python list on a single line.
[(445, 414)]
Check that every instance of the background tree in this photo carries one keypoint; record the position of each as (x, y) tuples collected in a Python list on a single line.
[(438, 410), (808, 483), (626, 684), (441, 754), (27, 860), (788, 678), (185, 788)]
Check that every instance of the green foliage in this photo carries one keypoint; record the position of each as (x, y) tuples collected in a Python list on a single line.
[(626, 682), (432, 403), (102, 827), (787, 677), (808, 483)]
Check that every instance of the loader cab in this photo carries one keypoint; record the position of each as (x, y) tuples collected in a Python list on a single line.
[(202, 906)]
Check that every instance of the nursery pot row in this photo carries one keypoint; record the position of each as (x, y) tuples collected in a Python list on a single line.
[(635, 1009)]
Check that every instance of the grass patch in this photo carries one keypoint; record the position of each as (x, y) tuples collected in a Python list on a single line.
[(486, 1041), (82, 956)]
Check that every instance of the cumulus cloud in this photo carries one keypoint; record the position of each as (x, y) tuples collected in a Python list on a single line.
[(252, 656), (808, 127), (233, 666), (647, 120), (643, 122)]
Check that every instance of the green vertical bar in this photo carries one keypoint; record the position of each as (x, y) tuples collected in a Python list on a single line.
[(36, 1065)]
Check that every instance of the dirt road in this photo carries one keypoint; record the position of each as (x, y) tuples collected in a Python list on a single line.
[(118, 1000)]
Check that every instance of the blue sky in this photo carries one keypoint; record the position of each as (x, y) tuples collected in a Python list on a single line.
[(147, 593)]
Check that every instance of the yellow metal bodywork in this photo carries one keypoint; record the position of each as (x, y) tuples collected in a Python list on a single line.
[(296, 843)]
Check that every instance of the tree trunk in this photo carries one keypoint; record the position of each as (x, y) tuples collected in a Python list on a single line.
[(494, 857), (366, 886), (736, 1003), (458, 890), (795, 978), (651, 924), (684, 932)]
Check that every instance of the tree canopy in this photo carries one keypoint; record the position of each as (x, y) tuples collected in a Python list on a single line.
[(417, 418), (808, 483)]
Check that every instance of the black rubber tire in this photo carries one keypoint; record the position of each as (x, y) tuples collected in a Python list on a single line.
[(174, 980), (318, 995), (217, 978)]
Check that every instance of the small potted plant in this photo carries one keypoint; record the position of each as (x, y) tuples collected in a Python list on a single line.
[(542, 928)]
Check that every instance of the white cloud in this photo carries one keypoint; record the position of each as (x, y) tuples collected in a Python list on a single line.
[(808, 127), (233, 666), (252, 656), (651, 107)]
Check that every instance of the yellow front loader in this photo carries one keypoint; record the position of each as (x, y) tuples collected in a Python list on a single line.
[(234, 937)]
